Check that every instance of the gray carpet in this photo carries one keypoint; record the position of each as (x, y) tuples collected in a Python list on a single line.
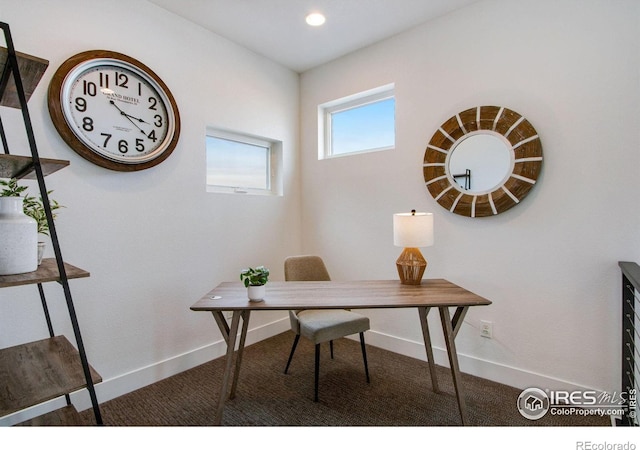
[(399, 393)]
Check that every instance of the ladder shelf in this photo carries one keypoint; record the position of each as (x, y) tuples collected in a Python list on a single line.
[(35, 372)]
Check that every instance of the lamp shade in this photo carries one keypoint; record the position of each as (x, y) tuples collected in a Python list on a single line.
[(413, 229)]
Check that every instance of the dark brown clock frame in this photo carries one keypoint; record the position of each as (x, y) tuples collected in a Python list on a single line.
[(57, 116)]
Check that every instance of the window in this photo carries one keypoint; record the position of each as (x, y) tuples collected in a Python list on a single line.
[(243, 164), (363, 122)]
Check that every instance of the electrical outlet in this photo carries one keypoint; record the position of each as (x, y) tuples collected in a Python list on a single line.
[(486, 329), (228, 315)]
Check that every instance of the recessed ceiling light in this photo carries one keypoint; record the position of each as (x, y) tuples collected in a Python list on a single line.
[(315, 19)]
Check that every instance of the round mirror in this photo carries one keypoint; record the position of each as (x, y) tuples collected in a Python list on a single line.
[(482, 161)]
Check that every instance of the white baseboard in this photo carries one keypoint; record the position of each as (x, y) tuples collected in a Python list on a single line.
[(111, 388), (500, 373), (114, 387)]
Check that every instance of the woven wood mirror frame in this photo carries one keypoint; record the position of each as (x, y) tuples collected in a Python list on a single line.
[(526, 153)]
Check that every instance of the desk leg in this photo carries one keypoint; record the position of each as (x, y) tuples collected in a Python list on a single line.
[(449, 338), (243, 338), (458, 317), (424, 311), (231, 343), (222, 324)]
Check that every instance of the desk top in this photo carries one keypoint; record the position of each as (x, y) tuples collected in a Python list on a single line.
[(285, 295)]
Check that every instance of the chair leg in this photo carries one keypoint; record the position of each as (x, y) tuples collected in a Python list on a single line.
[(293, 350), (331, 347), (317, 375), (364, 356)]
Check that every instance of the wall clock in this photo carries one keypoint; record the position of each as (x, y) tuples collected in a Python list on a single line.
[(113, 110)]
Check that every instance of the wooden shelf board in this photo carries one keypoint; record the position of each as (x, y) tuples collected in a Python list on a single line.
[(38, 371), (31, 70), (22, 167), (47, 271)]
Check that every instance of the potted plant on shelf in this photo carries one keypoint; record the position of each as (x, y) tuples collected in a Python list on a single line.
[(18, 232), (255, 281), (34, 208)]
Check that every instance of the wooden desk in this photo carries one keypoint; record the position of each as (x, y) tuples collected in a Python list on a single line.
[(441, 294)]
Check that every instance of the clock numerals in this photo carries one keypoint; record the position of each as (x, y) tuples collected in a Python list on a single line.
[(153, 102), (104, 80), (101, 94), (89, 88), (80, 104), (123, 146), (122, 80), (83, 103), (107, 136), (87, 124)]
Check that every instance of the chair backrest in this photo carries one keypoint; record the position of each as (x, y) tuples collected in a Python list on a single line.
[(305, 268)]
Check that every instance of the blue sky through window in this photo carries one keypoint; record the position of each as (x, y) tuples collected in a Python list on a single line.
[(367, 127), (237, 164)]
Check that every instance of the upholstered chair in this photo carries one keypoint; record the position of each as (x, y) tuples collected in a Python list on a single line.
[(321, 325)]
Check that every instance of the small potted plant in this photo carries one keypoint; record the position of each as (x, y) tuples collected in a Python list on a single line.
[(255, 281), (32, 207), (18, 234)]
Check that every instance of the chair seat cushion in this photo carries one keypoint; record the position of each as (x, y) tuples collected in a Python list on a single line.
[(322, 325)]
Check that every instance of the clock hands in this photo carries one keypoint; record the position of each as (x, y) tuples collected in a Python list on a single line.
[(127, 115), (130, 118)]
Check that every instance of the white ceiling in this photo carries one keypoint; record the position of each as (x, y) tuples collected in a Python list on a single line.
[(277, 29)]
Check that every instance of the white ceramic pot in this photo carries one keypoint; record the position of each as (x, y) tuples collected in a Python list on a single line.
[(18, 238), (256, 293)]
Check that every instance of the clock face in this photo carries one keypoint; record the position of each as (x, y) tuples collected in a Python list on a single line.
[(113, 111)]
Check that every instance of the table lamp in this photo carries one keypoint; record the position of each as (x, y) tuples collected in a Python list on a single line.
[(412, 230)]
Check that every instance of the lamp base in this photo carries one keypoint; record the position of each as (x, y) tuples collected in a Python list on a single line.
[(411, 266)]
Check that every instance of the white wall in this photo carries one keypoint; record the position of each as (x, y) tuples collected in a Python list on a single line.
[(550, 264), (154, 241)]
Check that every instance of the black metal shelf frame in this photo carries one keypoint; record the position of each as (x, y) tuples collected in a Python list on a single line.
[(630, 375), (12, 69)]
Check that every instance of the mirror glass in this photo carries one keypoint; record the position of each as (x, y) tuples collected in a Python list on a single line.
[(480, 162)]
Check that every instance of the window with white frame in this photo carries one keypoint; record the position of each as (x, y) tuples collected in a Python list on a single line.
[(243, 164), (359, 123)]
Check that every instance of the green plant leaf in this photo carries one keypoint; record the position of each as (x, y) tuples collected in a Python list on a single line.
[(32, 206), (254, 277)]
